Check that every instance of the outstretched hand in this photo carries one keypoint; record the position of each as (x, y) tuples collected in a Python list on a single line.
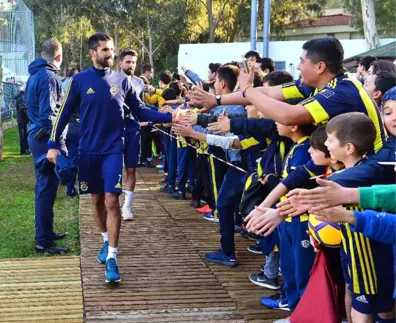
[(200, 97)]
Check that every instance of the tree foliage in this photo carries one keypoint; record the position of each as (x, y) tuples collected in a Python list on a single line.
[(155, 28)]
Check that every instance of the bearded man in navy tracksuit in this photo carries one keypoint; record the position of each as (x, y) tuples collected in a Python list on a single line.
[(104, 97)]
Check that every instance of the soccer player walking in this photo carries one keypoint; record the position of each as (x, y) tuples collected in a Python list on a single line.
[(104, 97)]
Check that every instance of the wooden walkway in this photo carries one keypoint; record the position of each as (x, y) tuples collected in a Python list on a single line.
[(164, 276), (41, 290)]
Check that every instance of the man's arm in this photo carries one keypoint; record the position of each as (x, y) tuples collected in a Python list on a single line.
[(69, 105), (278, 111), (140, 111), (48, 98)]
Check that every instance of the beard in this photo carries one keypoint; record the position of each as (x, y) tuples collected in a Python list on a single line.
[(105, 61), (128, 71)]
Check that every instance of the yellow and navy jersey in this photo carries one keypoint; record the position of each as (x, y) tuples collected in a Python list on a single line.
[(341, 95), (251, 150), (297, 156), (368, 261)]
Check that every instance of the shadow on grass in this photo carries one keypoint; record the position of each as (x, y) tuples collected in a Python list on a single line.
[(17, 183)]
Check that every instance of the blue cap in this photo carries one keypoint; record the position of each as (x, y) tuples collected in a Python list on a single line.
[(43, 165), (389, 95), (64, 169)]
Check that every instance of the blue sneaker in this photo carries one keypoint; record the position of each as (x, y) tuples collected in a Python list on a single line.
[(102, 255), (211, 217), (275, 301), (220, 257), (111, 272)]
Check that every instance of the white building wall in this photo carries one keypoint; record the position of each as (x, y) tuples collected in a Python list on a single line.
[(198, 56)]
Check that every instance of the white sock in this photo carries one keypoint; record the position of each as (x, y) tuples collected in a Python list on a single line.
[(112, 253), (128, 199), (105, 236)]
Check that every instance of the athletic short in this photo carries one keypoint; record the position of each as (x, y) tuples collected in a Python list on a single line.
[(372, 304), (132, 149), (99, 174)]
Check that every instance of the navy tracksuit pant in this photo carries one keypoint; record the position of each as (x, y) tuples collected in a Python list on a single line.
[(227, 206), (297, 257), (186, 167), (45, 193)]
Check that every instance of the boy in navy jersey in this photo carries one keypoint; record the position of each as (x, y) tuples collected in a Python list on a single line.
[(103, 97)]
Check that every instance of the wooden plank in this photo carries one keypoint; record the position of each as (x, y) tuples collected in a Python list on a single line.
[(164, 276), (41, 290)]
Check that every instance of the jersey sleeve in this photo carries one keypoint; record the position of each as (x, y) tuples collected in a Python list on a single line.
[(301, 174), (69, 105), (326, 104), (139, 110), (296, 90)]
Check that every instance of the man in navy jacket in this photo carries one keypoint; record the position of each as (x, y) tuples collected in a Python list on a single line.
[(43, 96)]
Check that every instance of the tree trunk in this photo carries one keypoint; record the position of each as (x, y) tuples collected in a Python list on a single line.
[(116, 42), (369, 26), (1, 131), (209, 8), (150, 42)]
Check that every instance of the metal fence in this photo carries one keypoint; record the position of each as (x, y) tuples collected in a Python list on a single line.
[(10, 91)]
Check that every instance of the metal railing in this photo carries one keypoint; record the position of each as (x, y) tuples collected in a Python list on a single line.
[(8, 107)]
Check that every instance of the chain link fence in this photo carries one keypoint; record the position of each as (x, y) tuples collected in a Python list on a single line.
[(9, 92)]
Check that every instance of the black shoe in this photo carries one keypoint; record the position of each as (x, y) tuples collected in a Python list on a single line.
[(164, 181), (262, 280), (256, 249), (58, 236), (254, 237), (179, 195), (167, 189), (195, 204), (51, 249), (244, 233)]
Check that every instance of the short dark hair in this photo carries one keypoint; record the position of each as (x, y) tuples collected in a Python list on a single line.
[(382, 65), (169, 94), (71, 71), (253, 53), (127, 52), (277, 78), (355, 128), (146, 68), (384, 81), (213, 67), (266, 63), (176, 86), (258, 79), (307, 129), (327, 50), (165, 77), (229, 74), (94, 40), (51, 48), (366, 61), (318, 139)]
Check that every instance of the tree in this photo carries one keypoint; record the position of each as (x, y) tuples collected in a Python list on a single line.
[(369, 26)]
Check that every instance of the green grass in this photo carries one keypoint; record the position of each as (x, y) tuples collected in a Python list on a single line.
[(17, 227)]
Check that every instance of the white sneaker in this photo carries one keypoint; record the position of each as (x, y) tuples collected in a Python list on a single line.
[(127, 213)]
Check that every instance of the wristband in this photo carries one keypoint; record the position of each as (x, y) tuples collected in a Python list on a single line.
[(245, 88)]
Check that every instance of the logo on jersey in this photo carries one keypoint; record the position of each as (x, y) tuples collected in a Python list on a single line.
[(305, 243), (327, 93), (113, 90), (84, 186), (90, 91)]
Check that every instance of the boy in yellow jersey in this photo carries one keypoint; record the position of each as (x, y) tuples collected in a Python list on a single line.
[(367, 264)]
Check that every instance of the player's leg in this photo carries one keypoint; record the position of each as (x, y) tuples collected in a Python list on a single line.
[(112, 177)]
